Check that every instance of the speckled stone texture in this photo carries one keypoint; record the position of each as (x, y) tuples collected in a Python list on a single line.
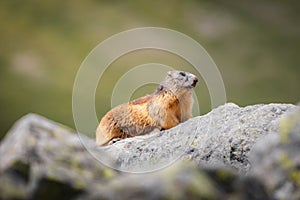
[(222, 137), (276, 159), (39, 155), (229, 153)]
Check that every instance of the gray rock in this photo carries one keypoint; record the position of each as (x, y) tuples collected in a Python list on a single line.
[(184, 181), (222, 137), (276, 159), (39, 155), (40, 159)]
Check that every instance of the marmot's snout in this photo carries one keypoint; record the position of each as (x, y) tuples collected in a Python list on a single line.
[(195, 80)]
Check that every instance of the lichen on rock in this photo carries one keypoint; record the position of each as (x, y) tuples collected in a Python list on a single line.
[(231, 153), (276, 158)]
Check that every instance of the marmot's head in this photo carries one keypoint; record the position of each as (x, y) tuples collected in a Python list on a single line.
[(176, 80)]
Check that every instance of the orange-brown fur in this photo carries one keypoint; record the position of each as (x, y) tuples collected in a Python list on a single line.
[(161, 110)]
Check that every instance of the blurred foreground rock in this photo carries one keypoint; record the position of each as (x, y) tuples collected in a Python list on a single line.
[(232, 152), (40, 159), (276, 159)]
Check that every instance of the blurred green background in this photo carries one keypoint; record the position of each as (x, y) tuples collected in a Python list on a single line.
[(255, 44)]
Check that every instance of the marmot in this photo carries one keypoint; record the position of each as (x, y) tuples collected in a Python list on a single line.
[(168, 106)]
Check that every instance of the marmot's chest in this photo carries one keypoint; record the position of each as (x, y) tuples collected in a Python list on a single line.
[(170, 109), (186, 105)]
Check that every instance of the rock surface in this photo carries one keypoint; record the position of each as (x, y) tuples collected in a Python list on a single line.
[(279, 156), (39, 155), (222, 137), (232, 152)]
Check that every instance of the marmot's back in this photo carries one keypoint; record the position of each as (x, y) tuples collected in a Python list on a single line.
[(169, 105)]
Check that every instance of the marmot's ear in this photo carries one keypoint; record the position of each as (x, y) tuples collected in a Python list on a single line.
[(169, 73)]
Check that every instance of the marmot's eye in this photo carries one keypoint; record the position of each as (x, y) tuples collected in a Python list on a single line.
[(182, 73)]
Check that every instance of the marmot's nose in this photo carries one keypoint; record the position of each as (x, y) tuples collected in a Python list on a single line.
[(195, 80)]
